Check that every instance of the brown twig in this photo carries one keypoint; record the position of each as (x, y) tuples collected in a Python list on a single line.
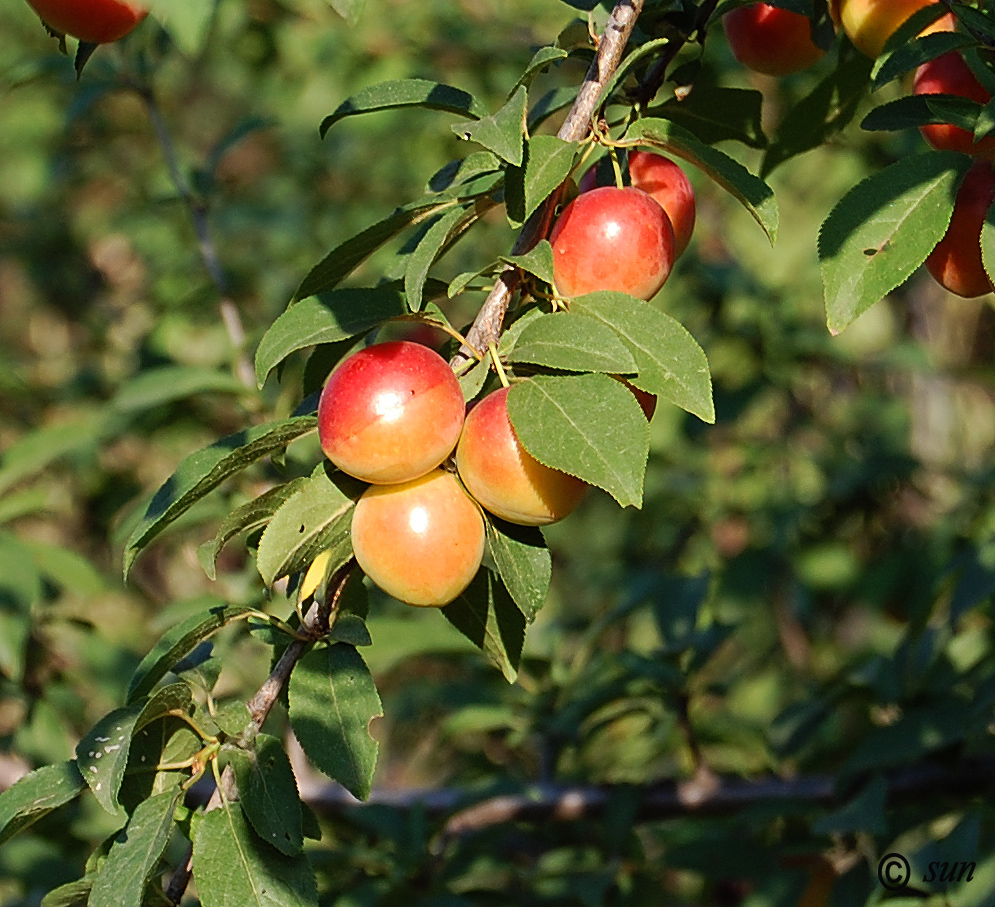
[(487, 325)]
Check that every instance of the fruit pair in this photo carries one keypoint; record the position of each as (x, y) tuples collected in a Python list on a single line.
[(391, 415), (624, 239)]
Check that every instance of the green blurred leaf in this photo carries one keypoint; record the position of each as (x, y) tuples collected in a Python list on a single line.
[(134, 857), (502, 132), (883, 229), (36, 794), (186, 21), (523, 562), (715, 114), (316, 518), (202, 472), (589, 426), (233, 866), (267, 791), (168, 384), (670, 362), (72, 894), (922, 109), (573, 342), (350, 10), (751, 191), (486, 615), (333, 700)]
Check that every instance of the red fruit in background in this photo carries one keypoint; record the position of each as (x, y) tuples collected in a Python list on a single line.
[(956, 261), (98, 21), (421, 541), (612, 239), (503, 477), (770, 40), (870, 23), (949, 74), (390, 413)]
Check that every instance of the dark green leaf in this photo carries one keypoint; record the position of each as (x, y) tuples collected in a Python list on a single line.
[(988, 242), (462, 170), (548, 162), (554, 100), (715, 114), (425, 254), (328, 318), (890, 66), (669, 361), (921, 110), (202, 472), (486, 615), (233, 867), (883, 229), (72, 894), (406, 93), (164, 741), (333, 700), (168, 384), (541, 59), (502, 132), (36, 794), (134, 857), (751, 191), (102, 755), (565, 340), (589, 426), (538, 261), (267, 791), (316, 518), (523, 562)]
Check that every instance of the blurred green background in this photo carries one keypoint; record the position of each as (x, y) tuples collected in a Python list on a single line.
[(807, 588)]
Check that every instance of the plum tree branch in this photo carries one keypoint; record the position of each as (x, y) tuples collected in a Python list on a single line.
[(486, 328)]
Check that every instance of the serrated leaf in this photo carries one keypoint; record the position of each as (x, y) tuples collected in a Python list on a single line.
[(486, 615), (988, 243), (883, 229), (234, 866), (510, 337), (751, 191), (714, 114), (669, 361), (425, 254), (170, 383), (538, 261), (917, 110), (316, 518), (267, 790), (134, 857), (340, 262), (202, 472), (572, 342), (333, 700), (523, 562), (542, 58), (502, 132), (472, 382), (252, 515), (36, 794), (548, 162), (406, 93), (463, 169), (589, 426), (331, 317), (178, 642), (891, 65)]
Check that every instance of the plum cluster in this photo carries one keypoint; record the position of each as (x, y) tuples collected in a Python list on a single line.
[(777, 41), (391, 415)]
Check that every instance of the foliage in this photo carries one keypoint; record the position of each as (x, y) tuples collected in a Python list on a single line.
[(789, 574)]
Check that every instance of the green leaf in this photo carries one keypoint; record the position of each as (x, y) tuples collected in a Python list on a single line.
[(523, 562), (250, 516), (66, 568), (462, 170), (426, 252), (350, 10), (162, 741), (187, 23), (176, 644), (883, 229), (72, 894), (168, 384), (923, 109), (541, 59), (134, 857), (669, 361), (35, 795), (267, 791), (890, 66), (538, 261), (406, 93), (328, 318), (751, 191), (502, 132), (339, 263), (316, 518), (202, 472), (548, 162), (554, 100), (486, 615), (589, 426), (333, 700), (233, 867), (716, 114), (822, 113), (472, 382), (573, 342), (988, 242)]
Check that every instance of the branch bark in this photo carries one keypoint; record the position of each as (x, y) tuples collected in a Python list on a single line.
[(486, 328)]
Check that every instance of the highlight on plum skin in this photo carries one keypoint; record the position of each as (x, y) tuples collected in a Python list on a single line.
[(422, 541), (390, 413)]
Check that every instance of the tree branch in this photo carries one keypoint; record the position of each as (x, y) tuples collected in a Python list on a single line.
[(486, 328)]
